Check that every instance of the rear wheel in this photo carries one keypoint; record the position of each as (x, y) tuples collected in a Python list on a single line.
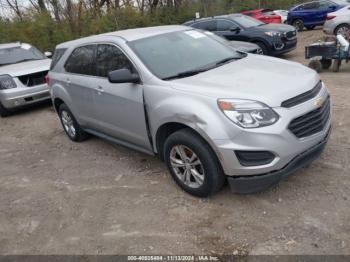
[(3, 111), (70, 125), (193, 164), (343, 29), (298, 24)]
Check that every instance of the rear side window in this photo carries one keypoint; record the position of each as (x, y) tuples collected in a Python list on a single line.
[(57, 56), (110, 58), (81, 61), (206, 25)]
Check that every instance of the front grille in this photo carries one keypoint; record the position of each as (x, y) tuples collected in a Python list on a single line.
[(303, 97), (312, 122), (291, 35), (33, 79)]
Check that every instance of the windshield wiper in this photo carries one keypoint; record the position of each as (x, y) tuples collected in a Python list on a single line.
[(226, 60), (186, 74)]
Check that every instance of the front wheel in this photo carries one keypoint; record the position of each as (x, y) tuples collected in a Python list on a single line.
[(298, 24), (263, 47), (315, 65), (3, 111), (193, 164)]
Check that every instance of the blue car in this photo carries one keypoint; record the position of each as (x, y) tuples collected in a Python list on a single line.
[(312, 14)]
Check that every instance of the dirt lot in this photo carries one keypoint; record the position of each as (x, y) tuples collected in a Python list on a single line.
[(58, 197)]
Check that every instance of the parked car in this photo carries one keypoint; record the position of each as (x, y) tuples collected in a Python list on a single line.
[(237, 45), (22, 76), (283, 14), (267, 16), (210, 112), (273, 39), (313, 13), (338, 22)]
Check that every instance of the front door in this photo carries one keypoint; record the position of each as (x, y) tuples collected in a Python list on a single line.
[(119, 107)]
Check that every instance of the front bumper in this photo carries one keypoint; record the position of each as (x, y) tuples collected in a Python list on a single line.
[(289, 45), (253, 184), (22, 96)]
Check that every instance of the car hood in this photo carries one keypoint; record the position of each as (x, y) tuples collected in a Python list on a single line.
[(25, 68), (261, 78), (243, 46), (281, 28)]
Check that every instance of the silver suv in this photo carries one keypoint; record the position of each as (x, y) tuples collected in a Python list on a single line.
[(22, 76), (210, 112)]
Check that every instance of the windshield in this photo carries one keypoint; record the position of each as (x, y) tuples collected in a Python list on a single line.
[(177, 53), (246, 21), (23, 52)]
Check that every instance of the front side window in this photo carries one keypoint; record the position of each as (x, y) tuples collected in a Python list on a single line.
[(81, 61), (110, 58), (20, 53), (246, 21), (171, 54), (224, 25)]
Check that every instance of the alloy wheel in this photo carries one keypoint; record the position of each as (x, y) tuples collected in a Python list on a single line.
[(187, 166), (68, 123)]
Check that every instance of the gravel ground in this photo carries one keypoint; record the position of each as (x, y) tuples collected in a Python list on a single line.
[(58, 197)]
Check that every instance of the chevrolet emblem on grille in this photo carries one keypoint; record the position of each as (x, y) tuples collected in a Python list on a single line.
[(319, 102)]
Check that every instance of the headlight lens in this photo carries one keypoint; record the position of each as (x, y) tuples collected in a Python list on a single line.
[(247, 113), (6, 82), (272, 34)]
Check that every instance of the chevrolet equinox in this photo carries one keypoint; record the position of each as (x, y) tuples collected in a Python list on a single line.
[(209, 112)]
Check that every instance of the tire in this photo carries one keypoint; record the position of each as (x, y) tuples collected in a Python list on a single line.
[(209, 177), (336, 65), (310, 27), (343, 29), (3, 111), (70, 125), (298, 24), (263, 47), (316, 65), (326, 63)]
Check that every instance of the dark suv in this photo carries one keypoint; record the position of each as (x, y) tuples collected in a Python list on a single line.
[(274, 39)]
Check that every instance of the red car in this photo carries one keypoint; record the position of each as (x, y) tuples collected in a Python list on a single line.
[(264, 15)]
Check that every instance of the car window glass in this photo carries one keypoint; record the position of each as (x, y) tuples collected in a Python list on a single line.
[(81, 61), (312, 5), (224, 25), (57, 56), (206, 25), (110, 58), (325, 4)]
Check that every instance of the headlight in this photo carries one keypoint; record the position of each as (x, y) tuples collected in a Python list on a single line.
[(247, 113), (6, 82), (272, 34)]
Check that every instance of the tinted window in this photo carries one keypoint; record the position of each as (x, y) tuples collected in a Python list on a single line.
[(20, 53), (224, 25), (326, 4), (206, 25), (110, 58), (81, 61), (57, 56), (309, 6), (246, 21)]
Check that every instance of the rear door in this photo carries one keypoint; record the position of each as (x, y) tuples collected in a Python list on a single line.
[(120, 107), (79, 81)]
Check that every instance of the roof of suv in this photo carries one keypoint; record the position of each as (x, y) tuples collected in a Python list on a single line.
[(213, 17), (129, 35), (10, 45)]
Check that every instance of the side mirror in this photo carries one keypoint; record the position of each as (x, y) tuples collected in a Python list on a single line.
[(48, 54), (235, 29), (123, 76)]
